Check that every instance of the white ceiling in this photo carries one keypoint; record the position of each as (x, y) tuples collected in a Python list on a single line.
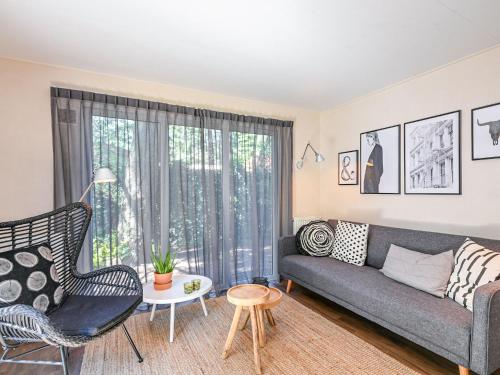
[(312, 54)]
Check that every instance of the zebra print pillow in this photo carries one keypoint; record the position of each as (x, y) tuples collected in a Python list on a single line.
[(474, 266), (315, 239)]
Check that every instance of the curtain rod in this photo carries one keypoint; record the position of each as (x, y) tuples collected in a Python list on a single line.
[(58, 92)]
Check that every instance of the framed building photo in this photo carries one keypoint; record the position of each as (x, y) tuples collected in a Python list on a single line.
[(485, 132), (380, 161), (348, 168), (432, 155)]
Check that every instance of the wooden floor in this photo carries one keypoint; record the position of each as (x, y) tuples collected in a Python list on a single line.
[(397, 347)]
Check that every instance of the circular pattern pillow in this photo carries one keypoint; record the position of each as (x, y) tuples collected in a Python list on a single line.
[(315, 239)]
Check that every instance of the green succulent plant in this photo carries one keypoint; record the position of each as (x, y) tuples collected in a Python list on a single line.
[(162, 263)]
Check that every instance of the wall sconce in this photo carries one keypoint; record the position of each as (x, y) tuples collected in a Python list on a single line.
[(318, 157)]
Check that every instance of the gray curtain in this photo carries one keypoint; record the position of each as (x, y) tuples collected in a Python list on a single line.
[(214, 186)]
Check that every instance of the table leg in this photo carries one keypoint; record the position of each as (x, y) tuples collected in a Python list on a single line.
[(153, 309), (232, 331), (255, 338), (262, 328), (245, 322), (203, 305), (270, 318), (172, 320)]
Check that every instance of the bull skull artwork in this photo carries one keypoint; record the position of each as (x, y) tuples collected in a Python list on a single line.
[(494, 129)]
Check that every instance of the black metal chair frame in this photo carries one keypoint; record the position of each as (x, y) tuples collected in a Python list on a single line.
[(64, 230)]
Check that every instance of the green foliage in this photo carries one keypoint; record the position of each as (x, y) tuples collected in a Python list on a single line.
[(108, 252), (162, 264)]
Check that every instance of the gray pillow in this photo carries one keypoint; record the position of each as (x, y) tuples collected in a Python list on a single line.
[(429, 273)]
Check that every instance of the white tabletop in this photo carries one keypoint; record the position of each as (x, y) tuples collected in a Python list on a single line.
[(176, 293)]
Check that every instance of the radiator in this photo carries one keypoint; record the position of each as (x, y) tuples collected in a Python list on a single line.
[(299, 221)]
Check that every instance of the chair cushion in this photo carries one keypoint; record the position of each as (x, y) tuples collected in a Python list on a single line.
[(441, 322), (28, 276), (92, 315)]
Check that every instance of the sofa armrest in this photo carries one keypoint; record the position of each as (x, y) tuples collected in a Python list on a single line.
[(287, 246), (485, 341)]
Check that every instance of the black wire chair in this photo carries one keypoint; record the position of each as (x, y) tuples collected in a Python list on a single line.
[(90, 294)]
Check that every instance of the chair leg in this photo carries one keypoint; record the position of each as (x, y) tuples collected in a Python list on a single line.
[(139, 358), (64, 359), (463, 370)]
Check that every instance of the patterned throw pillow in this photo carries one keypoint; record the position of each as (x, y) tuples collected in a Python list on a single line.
[(29, 276), (474, 266), (350, 243), (315, 239)]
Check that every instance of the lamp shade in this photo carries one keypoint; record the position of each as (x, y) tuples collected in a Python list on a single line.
[(319, 158), (104, 175)]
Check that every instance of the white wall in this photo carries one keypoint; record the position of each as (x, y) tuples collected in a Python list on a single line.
[(26, 180), (463, 85)]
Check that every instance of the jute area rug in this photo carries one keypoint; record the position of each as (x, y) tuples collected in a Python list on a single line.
[(302, 343)]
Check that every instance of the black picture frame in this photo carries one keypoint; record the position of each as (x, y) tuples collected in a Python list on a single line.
[(459, 153), (361, 182), (472, 132), (339, 168)]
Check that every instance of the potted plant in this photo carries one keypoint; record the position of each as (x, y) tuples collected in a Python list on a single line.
[(164, 268)]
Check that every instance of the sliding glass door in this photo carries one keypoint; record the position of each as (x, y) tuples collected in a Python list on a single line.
[(207, 191)]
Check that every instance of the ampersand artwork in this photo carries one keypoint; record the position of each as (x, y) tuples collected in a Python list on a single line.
[(345, 175)]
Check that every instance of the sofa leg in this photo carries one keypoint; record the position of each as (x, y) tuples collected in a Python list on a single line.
[(289, 285), (463, 370)]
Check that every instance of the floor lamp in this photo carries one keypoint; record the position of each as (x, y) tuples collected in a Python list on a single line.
[(101, 175)]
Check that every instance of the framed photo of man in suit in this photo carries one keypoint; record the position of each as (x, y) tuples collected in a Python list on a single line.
[(380, 161)]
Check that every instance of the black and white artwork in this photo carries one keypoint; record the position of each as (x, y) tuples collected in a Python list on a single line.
[(486, 132), (380, 161), (348, 168), (432, 155)]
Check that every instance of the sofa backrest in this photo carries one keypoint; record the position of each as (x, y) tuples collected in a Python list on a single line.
[(380, 239)]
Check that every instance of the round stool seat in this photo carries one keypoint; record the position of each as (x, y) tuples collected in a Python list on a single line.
[(248, 295), (275, 297)]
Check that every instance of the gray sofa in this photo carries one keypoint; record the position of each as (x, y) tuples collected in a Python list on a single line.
[(471, 340)]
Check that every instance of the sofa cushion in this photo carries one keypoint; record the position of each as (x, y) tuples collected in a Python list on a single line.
[(475, 265), (92, 315), (315, 238), (350, 242), (426, 272), (441, 322)]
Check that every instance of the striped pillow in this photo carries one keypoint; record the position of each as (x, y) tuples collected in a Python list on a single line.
[(474, 266)]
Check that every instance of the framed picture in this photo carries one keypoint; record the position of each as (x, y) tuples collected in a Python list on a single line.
[(348, 168), (380, 164), (432, 155), (485, 132)]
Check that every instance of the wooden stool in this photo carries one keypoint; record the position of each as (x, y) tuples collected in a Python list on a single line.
[(275, 297), (251, 296)]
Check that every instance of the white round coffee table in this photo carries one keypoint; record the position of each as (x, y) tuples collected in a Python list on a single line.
[(176, 295)]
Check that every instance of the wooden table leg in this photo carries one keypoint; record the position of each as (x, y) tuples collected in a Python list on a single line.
[(232, 331), (245, 322), (262, 328), (255, 337), (270, 318)]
